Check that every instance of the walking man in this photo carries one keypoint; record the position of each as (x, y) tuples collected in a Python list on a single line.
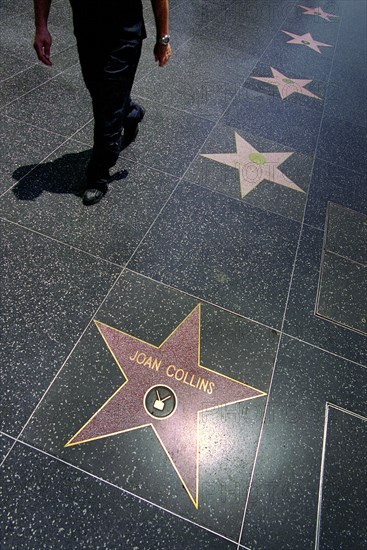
[(109, 35)]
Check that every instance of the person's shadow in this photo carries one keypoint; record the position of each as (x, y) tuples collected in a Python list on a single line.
[(62, 175)]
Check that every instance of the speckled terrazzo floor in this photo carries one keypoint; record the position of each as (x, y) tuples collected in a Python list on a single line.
[(184, 365)]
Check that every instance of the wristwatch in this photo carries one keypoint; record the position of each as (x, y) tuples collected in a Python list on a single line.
[(164, 39)]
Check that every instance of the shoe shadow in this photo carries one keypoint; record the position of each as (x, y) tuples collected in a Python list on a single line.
[(62, 175)]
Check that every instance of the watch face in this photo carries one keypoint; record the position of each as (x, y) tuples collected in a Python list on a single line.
[(164, 40)]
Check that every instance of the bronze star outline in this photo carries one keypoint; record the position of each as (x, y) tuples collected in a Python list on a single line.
[(178, 451)]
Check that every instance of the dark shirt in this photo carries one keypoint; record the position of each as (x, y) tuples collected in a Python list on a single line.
[(123, 17)]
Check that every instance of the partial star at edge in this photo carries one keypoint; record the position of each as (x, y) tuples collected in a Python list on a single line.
[(255, 167), (306, 40)]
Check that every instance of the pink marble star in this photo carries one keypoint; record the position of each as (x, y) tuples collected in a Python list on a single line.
[(306, 40), (255, 167), (165, 378), (319, 12), (287, 86)]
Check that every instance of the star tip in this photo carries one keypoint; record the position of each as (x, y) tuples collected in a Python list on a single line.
[(195, 501)]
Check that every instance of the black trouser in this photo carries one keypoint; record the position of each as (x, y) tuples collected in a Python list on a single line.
[(109, 65)]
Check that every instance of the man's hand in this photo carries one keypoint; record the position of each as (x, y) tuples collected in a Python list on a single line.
[(162, 53), (42, 45)]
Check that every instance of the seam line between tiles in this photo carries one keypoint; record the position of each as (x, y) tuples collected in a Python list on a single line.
[(77, 63), (288, 296), (200, 299), (286, 305), (2, 109), (66, 140), (321, 478), (354, 262), (101, 303), (247, 204), (324, 350), (120, 489), (144, 237), (340, 166), (106, 296), (37, 64), (81, 334), (65, 136), (62, 243)]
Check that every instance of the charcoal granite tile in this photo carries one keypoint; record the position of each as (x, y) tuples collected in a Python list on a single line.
[(268, 13), (272, 118), (343, 292), (283, 504), (11, 65), (342, 296), (343, 143), (49, 292), (51, 505), (204, 88), (17, 33), (352, 51), (206, 244), (189, 18), (113, 229), (347, 102), (33, 77), (352, 43), (347, 233), (180, 137), (300, 59), (5, 446), (342, 523), (7, 9), (179, 89), (247, 37), (332, 183), (135, 460), (265, 194), (62, 104), (21, 144), (344, 73), (168, 139), (301, 320)]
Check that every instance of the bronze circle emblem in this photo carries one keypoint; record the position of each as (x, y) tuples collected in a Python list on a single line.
[(160, 402)]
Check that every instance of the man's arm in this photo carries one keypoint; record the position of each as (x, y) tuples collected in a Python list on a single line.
[(162, 52), (42, 38)]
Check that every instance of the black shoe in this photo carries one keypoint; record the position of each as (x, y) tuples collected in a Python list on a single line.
[(94, 193), (131, 129)]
